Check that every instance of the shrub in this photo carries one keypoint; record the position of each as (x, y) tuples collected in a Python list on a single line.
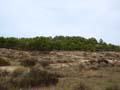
[(4, 62), (2, 87), (45, 63), (6, 85), (82, 86), (4, 73), (113, 87), (28, 62), (34, 77), (94, 67), (64, 61), (18, 71)]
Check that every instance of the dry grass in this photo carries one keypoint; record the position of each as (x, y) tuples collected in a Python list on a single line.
[(74, 70)]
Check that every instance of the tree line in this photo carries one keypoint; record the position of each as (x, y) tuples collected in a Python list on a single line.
[(70, 43)]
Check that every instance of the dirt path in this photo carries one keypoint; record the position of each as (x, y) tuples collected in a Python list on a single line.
[(9, 68)]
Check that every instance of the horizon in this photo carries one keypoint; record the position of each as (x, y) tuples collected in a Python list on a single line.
[(88, 18)]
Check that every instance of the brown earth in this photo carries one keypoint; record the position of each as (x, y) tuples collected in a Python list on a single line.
[(74, 66)]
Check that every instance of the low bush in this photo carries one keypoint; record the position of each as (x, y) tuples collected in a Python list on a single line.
[(64, 61), (2, 87), (94, 67), (4, 73), (113, 87), (45, 63), (82, 86), (18, 71), (4, 62), (28, 62), (34, 77), (4, 78)]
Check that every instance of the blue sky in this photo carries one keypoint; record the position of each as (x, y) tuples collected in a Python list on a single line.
[(87, 18)]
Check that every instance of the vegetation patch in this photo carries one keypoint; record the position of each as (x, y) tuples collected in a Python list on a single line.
[(57, 43), (82, 86), (113, 87), (45, 63), (34, 77), (4, 62), (28, 62)]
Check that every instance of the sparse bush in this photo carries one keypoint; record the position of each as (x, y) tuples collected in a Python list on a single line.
[(45, 63), (82, 86), (94, 67), (64, 61), (2, 87), (81, 67), (34, 77), (113, 87), (28, 62), (4, 73), (18, 71), (85, 54), (4, 62)]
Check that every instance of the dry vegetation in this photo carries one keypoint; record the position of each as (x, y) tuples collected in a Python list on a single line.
[(59, 70)]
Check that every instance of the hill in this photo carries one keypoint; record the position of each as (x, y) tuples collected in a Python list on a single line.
[(59, 70)]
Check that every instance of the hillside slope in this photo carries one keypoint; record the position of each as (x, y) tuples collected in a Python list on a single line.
[(97, 70)]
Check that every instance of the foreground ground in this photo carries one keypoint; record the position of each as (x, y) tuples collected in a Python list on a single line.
[(74, 70)]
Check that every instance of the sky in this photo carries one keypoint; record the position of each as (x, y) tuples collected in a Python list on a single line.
[(86, 18)]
